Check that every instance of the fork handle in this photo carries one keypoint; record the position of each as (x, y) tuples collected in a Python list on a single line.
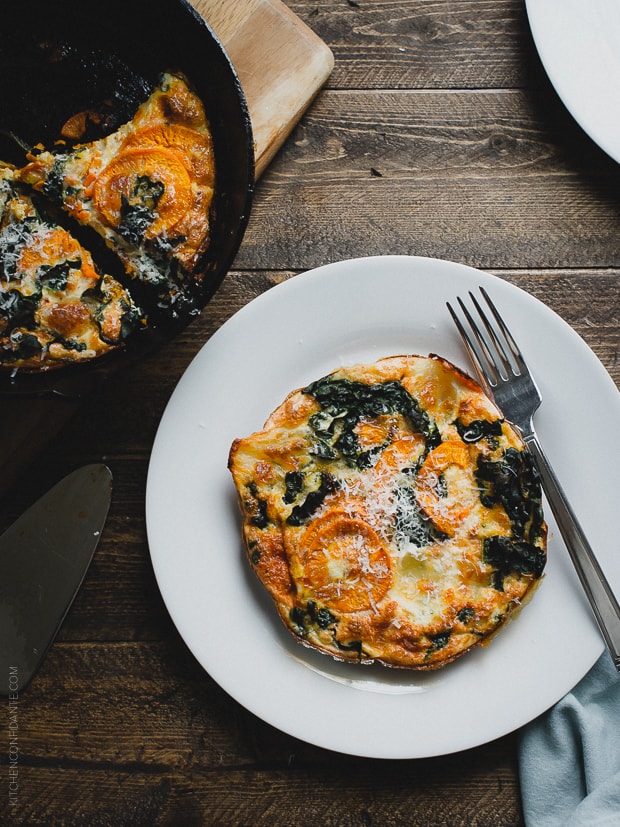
[(594, 582)]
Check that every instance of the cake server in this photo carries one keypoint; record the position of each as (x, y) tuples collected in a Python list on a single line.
[(44, 556)]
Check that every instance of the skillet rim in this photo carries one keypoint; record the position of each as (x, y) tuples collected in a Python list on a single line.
[(186, 34)]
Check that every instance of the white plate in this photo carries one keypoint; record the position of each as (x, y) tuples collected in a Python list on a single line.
[(339, 314), (579, 44)]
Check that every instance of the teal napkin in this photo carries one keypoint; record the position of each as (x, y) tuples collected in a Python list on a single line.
[(569, 757)]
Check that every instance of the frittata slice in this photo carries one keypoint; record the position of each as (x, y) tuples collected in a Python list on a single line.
[(146, 188), (392, 513), (56, 308)]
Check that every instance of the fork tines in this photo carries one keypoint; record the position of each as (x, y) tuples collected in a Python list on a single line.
[(495, 359)]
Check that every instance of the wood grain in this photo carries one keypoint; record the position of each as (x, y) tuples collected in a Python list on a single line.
[(435, 44), (477, 177), (190, 757)]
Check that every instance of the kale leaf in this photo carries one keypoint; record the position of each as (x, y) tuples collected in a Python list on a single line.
[(345, 402)]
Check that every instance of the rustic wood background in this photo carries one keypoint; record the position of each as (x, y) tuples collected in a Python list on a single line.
[(437, 134)]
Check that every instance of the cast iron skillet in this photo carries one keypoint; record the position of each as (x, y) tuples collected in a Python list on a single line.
[(61, 57)]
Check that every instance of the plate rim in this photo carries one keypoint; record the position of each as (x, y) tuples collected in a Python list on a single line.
[(555, 59), (262, 710)]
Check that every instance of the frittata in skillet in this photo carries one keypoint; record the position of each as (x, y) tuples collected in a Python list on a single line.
[(146, 188), (56, 308), (391, 513)]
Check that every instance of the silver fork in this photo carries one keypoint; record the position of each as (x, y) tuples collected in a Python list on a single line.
[(505, 377)]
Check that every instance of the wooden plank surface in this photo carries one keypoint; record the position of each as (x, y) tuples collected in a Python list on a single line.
[(474, 158), (424, 45), (476, 177)]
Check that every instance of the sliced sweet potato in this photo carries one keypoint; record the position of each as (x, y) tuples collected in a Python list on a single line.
[(446, 516), (346, 564), (153, 180)]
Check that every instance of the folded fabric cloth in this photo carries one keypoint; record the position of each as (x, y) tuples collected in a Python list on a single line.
[(569, 757)]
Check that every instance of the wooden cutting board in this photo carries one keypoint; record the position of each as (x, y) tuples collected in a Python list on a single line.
[(281, 64)]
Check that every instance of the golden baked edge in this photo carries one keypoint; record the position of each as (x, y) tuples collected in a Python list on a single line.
[(391, 513)]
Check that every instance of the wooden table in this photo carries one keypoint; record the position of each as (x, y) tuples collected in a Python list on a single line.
[(437, 134)]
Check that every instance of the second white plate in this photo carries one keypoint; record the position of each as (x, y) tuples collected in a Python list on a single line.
[(579, 44), (340, 314)]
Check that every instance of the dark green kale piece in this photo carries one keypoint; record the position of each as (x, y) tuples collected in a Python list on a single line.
[(513, 482), (345, 402), (411, 522), (508, 555), (293, 484), (312, 615), (314, 499), (138, 211), (438, 642), (256, 507), (479, 429)]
